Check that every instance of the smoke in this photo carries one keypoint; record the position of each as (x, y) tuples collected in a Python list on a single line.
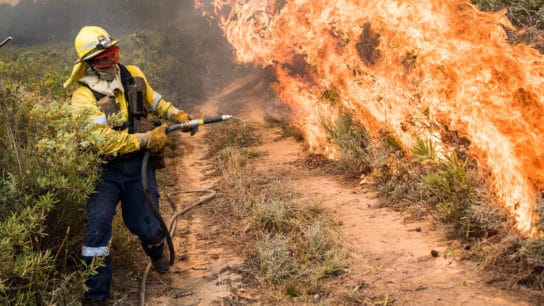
[(193, 62), (184, 54), (12, 2), (44, 21)]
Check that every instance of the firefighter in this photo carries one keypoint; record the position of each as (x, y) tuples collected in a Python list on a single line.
[(118, 99)]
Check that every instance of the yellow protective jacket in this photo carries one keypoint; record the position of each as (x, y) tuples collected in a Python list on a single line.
[(108, 140)]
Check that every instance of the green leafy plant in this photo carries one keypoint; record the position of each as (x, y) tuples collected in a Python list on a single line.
[(47, 173), (452, 192), (457, 193)]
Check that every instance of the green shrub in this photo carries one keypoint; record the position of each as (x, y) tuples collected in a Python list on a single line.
[(23, 270), (47, 173), (454, 193), (41, 69), (446, 179)]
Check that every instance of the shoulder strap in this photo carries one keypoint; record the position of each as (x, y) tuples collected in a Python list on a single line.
[(125, 75), (126, 78)]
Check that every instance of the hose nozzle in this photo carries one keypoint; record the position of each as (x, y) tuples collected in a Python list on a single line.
[(197, 122)]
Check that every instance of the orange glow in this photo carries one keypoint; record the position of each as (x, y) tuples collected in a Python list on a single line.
[(412, 67)]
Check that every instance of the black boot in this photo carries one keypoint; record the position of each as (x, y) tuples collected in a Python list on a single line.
[(161, 264)]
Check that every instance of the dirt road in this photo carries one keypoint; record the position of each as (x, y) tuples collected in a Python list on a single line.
[(391, 262)]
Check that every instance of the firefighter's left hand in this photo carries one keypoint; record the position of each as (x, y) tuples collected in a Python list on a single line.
[(181, 117)]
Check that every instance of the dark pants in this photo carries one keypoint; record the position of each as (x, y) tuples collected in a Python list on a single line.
[(120, 181)]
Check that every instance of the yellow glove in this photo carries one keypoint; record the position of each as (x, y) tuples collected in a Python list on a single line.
[(181, 117), (156, 139)]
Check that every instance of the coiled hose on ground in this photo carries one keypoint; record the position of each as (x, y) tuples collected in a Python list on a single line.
[(169, 231)]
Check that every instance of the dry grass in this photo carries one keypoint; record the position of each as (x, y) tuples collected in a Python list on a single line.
[(292, 249), (287, 129), (231, 134), (356, 155)]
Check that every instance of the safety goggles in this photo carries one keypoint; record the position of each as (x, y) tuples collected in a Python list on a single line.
[(106, 59)]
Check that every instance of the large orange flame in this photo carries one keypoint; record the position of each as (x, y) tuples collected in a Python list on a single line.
[(412, 67)]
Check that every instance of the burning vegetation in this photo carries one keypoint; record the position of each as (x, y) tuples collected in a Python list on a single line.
[(436, 81), (416, 69)]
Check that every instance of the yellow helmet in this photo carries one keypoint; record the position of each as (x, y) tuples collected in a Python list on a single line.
[(91, 41)]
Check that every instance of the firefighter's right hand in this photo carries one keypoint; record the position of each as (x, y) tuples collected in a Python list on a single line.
[(156, 139)]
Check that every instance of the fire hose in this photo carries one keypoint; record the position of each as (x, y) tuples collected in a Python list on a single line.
[(151, 201)]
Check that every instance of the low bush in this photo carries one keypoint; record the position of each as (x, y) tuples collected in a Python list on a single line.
[(48, 170)]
